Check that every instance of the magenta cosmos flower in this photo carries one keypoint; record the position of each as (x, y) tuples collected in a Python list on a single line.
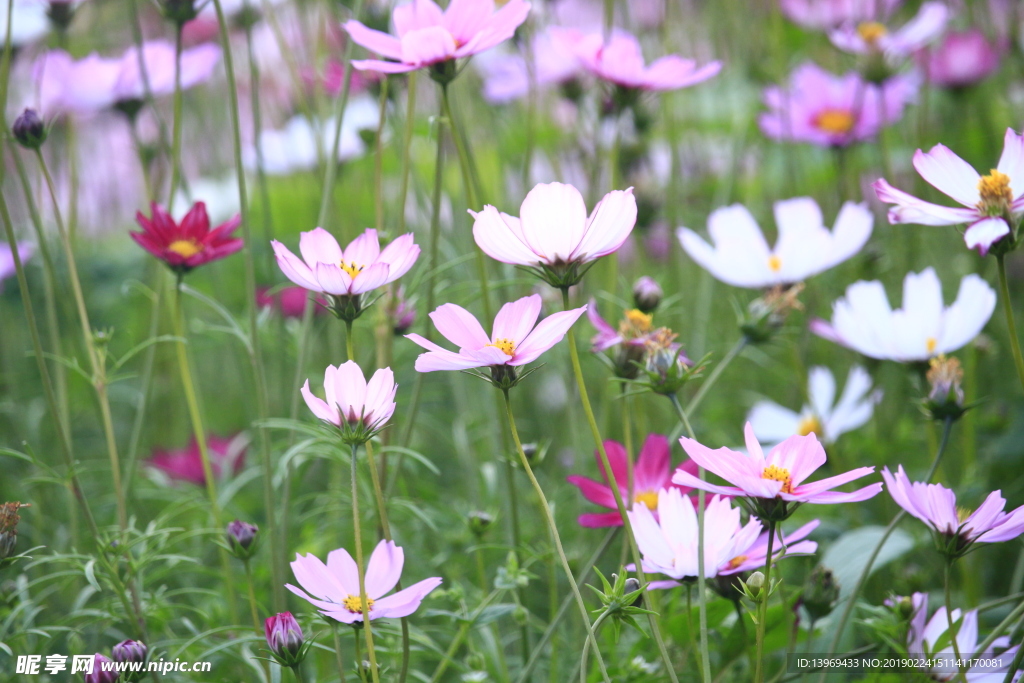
[(333, 588), (428, 35), (832, 111), (992, 202), (962, 59), (956, 529), (620, 61), (553, 235), (187, 464), (652, 473), (183, 246), (772, 483), (359, 408)]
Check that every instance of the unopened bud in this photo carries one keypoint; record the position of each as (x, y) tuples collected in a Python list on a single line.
[(479, 522), (632, 586), (100, 673), (9, 519), (820, 593), (242, 539), (29, 130), (946, 394), (179, 12), (134, 651), (647, 294), (756, 581), (285, 639)]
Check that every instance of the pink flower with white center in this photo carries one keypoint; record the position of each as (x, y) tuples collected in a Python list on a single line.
[(428, 35), (621, 61), (507, 77), (346, 274), (553, 235), (359, 408), (873, 37), (994, 202), (668, 541), (333, 588), (957, 529), (962, 59), (651, 474), (517, 338), (742, 258), (772, 483), (833, 111), (924, 328), (828, 14)]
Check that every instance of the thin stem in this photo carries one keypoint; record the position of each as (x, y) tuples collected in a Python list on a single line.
[(705, 387), (549, 518), (410, 121), (337, 653), (762, 619), (1015, 666), (257, 125), (350, 347), (360, 669), (614, 485), (435, 216), (363, 598), (176, 124), (253, 609), (1012, 617), (1018, 359), (586, 646), (949, 619), (378, 157), (460, 636)]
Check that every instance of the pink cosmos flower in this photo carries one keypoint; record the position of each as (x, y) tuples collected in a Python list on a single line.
[(828, 14), (832, 111), (634, 329), (668, 541), (352, 402), (652, 473), (25, 251), (187, 464), (507, 77), (935, 505), (778, 477), (866, 37), (361, 267), (333, 588), (190, 243), (291, 301), (962, 59), (517, 339), (993, 202), (621, 61), (428, 35)]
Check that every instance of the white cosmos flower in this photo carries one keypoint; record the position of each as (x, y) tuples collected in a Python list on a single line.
[(741, 257), (863, 321), (774, 424)]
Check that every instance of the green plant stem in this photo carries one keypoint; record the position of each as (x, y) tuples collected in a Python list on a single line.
[(706, 386), (410, 121), (1015, 665), (359, 659), (460, 636), (257, 125), (946, 585), (378, 157), (586, 646), (435, 220), (554, 529), (1004, 287), (337, 653), (614, 485), (947, 427), (350, 349), (253, 609), (147, 379), (1013, 616), (361, 569), (176, 124), (762, 606)]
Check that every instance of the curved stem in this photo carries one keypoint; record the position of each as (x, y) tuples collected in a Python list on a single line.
[(363, 598), (176, 129), (586, 646), (763, 605), (949, 620), (1004, 287), (460, 636)]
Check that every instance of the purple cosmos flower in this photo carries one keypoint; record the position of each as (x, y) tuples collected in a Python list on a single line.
[(507, 77), (621, 61)]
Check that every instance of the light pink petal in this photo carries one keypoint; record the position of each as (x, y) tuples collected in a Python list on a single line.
[(986, 232), (383, 67), (439, 359), (684, 478), (465, 18), (497, 240), (608, 227), (553, 220), (910, 209), (384, 569), (499, 27), (1012, 161), (949, 174), (371, 278), (350, 389), (380, 396), (416, 15), (404, 602), (333, 280), (382, 43), (460, 327), (835, 497), (673, 72), (516, 319), (821, 485), (319, 246), (363, 250), (548, 333), (400, 256), (293, 267), (427, 46), (320, 408)]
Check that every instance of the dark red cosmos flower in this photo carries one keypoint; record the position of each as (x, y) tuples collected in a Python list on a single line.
[(183, 246)]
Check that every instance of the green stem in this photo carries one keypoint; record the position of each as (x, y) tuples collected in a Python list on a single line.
[(586, 646), (1012, 617), (1018, 359), (1015, 666), (949, 619), (435, 218), (257, 125), (350, 349), (378, 157), (549, 518), (176, 129), (337, 653), (253, 609), (361, 569), (460, 636), (360, 669), (614, 485), (705, 387), (762, 606), (410, 120)]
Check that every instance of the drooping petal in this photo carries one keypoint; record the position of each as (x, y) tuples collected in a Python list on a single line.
[(382, 43), (910, 209), (319, 407)]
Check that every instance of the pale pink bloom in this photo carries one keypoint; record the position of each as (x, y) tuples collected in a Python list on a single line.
[(351, 400), (992, 201), (962, 59), (868, 37), (517, 338), (507, 77), (935, 505), (25, 251), (668, 542), (863, 321), (197, 65), (333, 588), (553, 228), (741, 257), (620, 61), (833, 111), (780, 475), (361, 267), (828, 14), (428, 35)]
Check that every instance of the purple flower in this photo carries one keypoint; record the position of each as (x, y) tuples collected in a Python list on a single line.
[(962, 59), (101, 671), (874, 37), (285, 639), (507, 77)]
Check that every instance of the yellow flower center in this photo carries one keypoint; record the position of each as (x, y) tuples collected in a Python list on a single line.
[(776, 473), (808, 425), (635, 324), (648, 498), (962, 514), (351, 268), (737, 561), (834, 121), (774, 263), (931, 343), (996, 194), (506, 346), (354, 604), (871, 31), (185, 248)]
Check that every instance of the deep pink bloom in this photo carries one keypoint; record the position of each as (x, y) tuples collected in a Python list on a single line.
[(285, 639), (832, 111), (428, 35), (779, 476), (188, 244), (187, 464), (992, 201), (827, 14), (651, 474), (100, 673), (866, 37), (333, 588), (291, 301), (517, 338), (621, 61), (962, 59), (352, 401)]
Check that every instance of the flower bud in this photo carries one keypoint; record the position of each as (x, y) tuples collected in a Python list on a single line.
[(647, 294), (402, 313), (946, 395), (534, 453), (242, 539), (632, 586), (767, 313), (9, 519), (285, 640), (29, 130), (134, 651), (179, 12), (820, 593), (61, 13), (98, 675), (756, 581), (479, 522)]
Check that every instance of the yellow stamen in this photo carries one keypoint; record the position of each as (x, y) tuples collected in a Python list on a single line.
[(351, 268), (962, 514), (931, 343), (635, 324), (834, 121), (996, 194), (506, 346), (354, 604), (185, 248), (776, 473), (737, 561), (808, 425), (648, 498), (871, 31), (774, 263)]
